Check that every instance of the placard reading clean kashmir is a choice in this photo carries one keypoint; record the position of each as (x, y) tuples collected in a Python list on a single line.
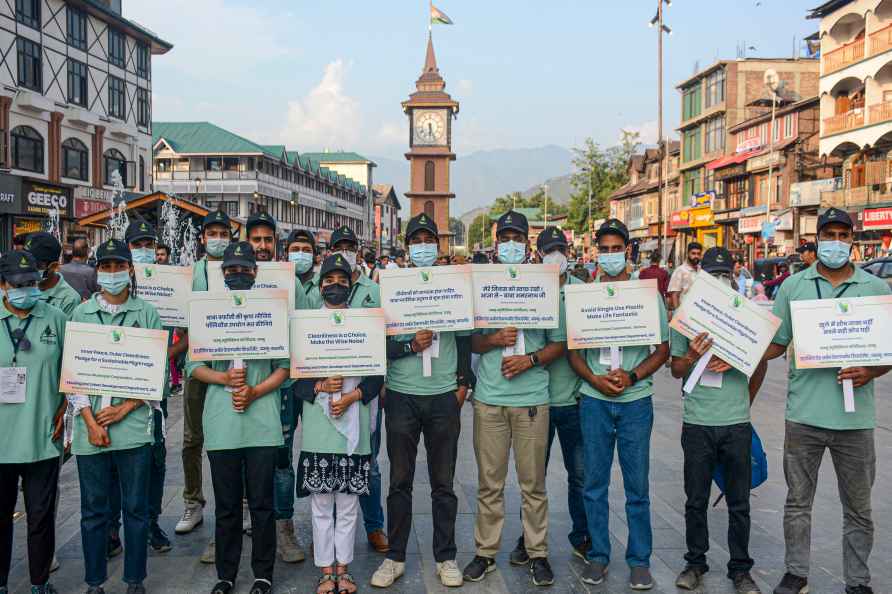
[(344, 342), (739, 328), (842, 332), (168, 288), (117, 361), (518, 295), (270, 275), (433, 298), (601, 315), (238, 325)]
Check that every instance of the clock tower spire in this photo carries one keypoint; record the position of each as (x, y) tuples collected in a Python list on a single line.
[(431, 111)]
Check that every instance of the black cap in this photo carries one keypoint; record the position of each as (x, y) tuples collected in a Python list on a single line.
[(419, 222), (216, 217), (113, 249), (19, 268), (305, 234), (834, 215), (43, 246), (513, 220), (139, 230), (343, 233), (717, 259), (808, 246), (335, 262), (239, 253), (260, 218), (550, 238), (615, 226)]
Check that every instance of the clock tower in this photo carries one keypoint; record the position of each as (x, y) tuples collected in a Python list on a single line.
[(431, 110)]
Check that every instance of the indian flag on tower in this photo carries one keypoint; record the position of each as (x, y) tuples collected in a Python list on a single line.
[(438, 17)]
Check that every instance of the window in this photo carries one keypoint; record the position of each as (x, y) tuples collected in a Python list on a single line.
[(142, 60), (27, 149), (429, 176), (715, 135), (715, 88), (116, 48), (116, 97), (74, 159), (77, 28), (114, 161), (691, 102), (692, 150), (788, 126), (77, 82), (27, 12), (214, 164), (429, 208), (30, 65), (142, 107), (691, 183)]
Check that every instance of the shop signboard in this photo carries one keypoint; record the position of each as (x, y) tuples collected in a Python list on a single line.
[(10, 194), (876, 218), (703, 199), (89, 201), (772, 159), (702, 217), (730, 171), (809, 193), (25, 226), (750, 224), (679, 219), (41, 198), (784, 222)]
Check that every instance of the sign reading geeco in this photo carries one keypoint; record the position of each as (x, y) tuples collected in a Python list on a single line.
[(42, 198)]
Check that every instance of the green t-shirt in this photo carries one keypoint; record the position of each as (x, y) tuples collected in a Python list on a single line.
[(814, 397), (366, 293), (714, 407), (260, 425), (631, 358), (563, 383), (405, 375), (200, 275), (319, 435), (306, 294), (136, 428), (26, 429), (62, 297)]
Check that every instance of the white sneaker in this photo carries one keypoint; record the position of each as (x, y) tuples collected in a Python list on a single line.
[(450, 574), (209, 556), (193, 516), (389, 572)]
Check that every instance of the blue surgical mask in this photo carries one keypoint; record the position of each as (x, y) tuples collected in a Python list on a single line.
[(143, 255), (303, 261), (612, 264), (23, 298), (512, 252), (834, 254), (113, 282), (216, 247), (423, 254)]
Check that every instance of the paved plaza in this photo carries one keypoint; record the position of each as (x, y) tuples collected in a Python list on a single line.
[(180, 572)]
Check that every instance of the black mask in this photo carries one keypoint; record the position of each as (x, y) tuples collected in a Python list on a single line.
[(239, 281), (335, 294)]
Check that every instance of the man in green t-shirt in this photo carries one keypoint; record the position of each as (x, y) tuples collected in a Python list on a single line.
[(816, 419), (616, 413), (511, 411), (716, 432)]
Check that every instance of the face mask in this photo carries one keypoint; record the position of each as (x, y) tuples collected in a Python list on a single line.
[(239, 281), (302, 261), (335, 294), (612, 264), (143, 255), (556, 257), (349, 256), (423, 254), (834, 254), (512, 252), (23, 298), (113, 282), (216, 247)]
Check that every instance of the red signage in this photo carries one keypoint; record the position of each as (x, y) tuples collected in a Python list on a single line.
[(877, 218), (679, 218), (84, 207)]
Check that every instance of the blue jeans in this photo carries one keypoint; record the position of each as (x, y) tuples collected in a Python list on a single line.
[(156, 478), (95, 476), (372, 511), (564, 421), (283, 479), (626, 426)]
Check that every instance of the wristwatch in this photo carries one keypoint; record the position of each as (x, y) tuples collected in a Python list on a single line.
[(633, 377), (534, 359)]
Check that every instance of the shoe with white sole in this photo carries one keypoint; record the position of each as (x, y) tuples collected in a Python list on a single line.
[(209, 556), (387, 573), (192, 518), (450, 574)]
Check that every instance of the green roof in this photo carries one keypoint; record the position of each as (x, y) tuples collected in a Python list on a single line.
[(202, 137), (337, 157), (274, 150)]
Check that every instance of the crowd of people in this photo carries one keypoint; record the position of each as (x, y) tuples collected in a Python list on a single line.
[(245, 419)]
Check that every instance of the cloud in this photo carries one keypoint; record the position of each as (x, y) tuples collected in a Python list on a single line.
[(465, 87), (647, 131), (326, 117), (393, 133)]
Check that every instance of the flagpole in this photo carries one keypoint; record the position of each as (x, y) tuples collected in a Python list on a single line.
[(430, 11)]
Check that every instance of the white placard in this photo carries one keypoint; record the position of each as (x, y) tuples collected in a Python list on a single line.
[(270, 275), (344, 342), (605, 314), (432, 298), (520, 296), (168, 288)]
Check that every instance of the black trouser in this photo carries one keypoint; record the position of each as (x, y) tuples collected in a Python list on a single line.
[(236, 473), (705, 448), (40, 485), (406, 418)]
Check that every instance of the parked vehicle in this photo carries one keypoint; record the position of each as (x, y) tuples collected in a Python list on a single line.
[(881, 267)]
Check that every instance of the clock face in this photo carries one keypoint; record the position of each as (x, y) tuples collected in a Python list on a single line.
[(430, 127)]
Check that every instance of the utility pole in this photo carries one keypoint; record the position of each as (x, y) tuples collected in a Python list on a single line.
[(545, 188)]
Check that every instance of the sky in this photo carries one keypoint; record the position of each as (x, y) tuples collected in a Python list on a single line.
[(331, 75)]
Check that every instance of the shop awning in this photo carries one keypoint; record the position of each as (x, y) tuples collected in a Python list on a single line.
[(648, 246), (731, 159)]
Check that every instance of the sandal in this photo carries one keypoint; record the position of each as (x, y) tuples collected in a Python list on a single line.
[(324, 579), (346, 577)]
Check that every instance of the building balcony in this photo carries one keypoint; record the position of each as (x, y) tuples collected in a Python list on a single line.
[(881, 41), (843, 56), (858, 118)]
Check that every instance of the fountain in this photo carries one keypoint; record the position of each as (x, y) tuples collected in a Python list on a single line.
[(52, 224), (178, 233), (118, 222)]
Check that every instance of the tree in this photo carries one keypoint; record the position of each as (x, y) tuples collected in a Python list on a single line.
[(457, 228), (480, 232), (516, 200)]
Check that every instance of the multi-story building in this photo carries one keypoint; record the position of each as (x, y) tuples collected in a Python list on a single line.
[(856, 112), (75, 107), (387, 218), (217, 168), (355, 167)]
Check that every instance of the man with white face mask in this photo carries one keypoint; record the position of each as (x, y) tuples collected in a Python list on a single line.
[(816, 419)]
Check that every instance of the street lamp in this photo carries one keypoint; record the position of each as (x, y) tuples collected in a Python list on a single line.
[(774, 84), (657, 22)]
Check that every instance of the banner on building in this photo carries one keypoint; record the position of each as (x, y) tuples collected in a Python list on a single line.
[(809, 193), (876, 218)]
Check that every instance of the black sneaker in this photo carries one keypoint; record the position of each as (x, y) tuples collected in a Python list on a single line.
[(114, 547), (477, 569), (519, 555), (862, 589), (95, 590), (744, 584), (261, 587), (582, 549), (45, 589), (158, 540), (792, 584), (136, 589), (541, 570), (595, 573), (690, 578), (222, 587)]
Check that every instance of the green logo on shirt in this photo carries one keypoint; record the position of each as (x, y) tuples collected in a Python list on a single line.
[(49, 336)]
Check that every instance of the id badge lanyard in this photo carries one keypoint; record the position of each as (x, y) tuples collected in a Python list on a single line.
[(21, 340), (848, 388)]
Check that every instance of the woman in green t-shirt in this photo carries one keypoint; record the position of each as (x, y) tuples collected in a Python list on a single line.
[(335, 458)]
